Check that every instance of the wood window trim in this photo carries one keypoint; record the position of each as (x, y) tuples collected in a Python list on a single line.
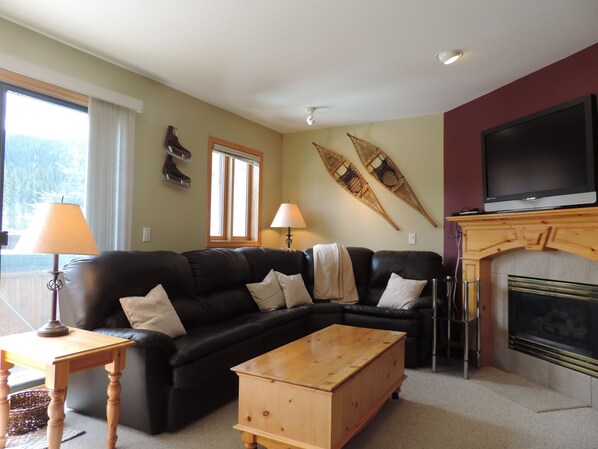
[(42, 87), (225, 174), (212, 242), (249, 186)]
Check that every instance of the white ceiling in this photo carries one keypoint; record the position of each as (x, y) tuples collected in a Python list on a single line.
[(359, 61)]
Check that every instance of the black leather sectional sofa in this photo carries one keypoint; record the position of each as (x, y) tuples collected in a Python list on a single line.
[(169, 383)]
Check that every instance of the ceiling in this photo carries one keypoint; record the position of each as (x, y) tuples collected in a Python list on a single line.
[(358, 61)]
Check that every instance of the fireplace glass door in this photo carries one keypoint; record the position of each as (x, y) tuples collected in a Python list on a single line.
[(556, 321)]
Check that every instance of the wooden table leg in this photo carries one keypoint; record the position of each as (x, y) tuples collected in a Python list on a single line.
[(249, 441), (113, 405), (57, 379), (395, 394), (4, 406), (56, 415), (113, 408)]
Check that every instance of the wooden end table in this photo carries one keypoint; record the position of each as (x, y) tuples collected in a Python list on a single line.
[(58, 357), (319, 391)]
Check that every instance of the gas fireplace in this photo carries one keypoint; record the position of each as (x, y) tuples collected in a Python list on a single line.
[(555, 321)]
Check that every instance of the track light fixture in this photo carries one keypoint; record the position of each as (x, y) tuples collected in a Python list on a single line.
[(310, 115), (449, 56)]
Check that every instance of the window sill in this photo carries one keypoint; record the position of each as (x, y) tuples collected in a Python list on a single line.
[(232, 244)]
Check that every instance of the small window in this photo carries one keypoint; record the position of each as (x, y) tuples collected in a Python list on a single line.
[(235, 193)]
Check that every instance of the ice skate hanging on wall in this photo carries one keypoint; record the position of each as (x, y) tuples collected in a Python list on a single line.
[(348, 177), (170, 171), (387, 173)]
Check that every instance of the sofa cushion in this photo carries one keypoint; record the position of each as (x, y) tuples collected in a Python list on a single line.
[(275, 318), (220, 277), (217, 269), (295, 293), (216, 365), (400, 292), (208, 338), (320, 307), (224, 305), (262, 260), (383, 318), (153, 312), (381, 311), (267, 294)]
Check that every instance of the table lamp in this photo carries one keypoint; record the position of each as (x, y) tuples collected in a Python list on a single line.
[(57, 228), (288, 216)]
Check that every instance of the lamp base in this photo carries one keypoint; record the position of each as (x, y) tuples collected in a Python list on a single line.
[(53, 328)]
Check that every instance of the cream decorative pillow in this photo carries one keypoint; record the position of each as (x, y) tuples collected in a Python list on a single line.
[(267, 294), (294, 289), (154, 312), (399, 292)]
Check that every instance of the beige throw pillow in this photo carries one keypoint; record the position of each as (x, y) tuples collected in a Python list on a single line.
[(154, 312), (399, 292), (267, 294), (295, 293)]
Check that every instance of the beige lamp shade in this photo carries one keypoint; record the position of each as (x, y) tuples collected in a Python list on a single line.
[(58, 228), (288, 216)]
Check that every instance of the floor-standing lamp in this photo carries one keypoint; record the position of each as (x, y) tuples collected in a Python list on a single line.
[(288, 216), (57, 228)]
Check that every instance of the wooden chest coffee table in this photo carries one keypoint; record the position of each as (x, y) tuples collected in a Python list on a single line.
[(319, 391)]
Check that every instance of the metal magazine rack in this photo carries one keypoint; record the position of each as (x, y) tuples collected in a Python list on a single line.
[(467, 314)]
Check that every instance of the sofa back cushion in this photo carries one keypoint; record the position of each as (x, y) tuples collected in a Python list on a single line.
[(262, 260), (93, 286), (220, 275), (418, 265)]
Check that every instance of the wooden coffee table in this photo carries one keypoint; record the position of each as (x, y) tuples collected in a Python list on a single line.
[(319, 391)]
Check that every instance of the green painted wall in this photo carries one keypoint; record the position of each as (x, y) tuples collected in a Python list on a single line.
[(176, 215), (293, 170), (333, 215)]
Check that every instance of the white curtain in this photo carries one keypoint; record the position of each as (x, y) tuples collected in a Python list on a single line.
[(110, 173)]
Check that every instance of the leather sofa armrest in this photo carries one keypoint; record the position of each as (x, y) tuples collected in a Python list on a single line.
[(141, 337), (424, 302), (387, 312)]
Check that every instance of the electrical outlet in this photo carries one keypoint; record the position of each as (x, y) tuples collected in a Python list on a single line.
[(147, 234), (411, 240)]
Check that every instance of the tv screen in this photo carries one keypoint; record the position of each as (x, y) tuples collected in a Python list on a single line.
[(543, 160)]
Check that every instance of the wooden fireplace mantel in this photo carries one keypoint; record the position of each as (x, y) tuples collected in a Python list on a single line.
[(488, 235)]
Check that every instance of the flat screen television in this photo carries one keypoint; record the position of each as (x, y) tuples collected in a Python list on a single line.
[(542, 161)]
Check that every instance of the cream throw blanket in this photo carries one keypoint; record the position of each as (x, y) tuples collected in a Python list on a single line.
[(333, 274)]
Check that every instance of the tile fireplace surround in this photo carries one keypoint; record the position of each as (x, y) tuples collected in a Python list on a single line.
[(561, 245)]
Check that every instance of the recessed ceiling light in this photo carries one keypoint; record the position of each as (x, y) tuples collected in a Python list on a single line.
[(449, 56)]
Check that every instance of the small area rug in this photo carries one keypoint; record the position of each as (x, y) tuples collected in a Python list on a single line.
[(37, 439), (524, 392)]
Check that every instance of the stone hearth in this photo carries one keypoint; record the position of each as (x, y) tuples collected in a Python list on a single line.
[(560, 244), (556, 265)]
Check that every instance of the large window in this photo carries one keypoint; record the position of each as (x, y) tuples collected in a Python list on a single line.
[(56, 144), (45, 157), (234, 198)]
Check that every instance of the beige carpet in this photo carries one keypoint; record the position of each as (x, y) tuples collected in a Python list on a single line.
[(38, 440), (435, 411), (524, 392)]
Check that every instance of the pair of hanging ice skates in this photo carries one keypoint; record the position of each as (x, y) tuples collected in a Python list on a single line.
[(175, 150)]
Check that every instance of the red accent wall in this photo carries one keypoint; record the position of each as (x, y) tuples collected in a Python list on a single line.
[(564, 80)]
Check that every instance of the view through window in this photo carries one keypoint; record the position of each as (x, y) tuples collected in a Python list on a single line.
[(45, 159), (235, 173)]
